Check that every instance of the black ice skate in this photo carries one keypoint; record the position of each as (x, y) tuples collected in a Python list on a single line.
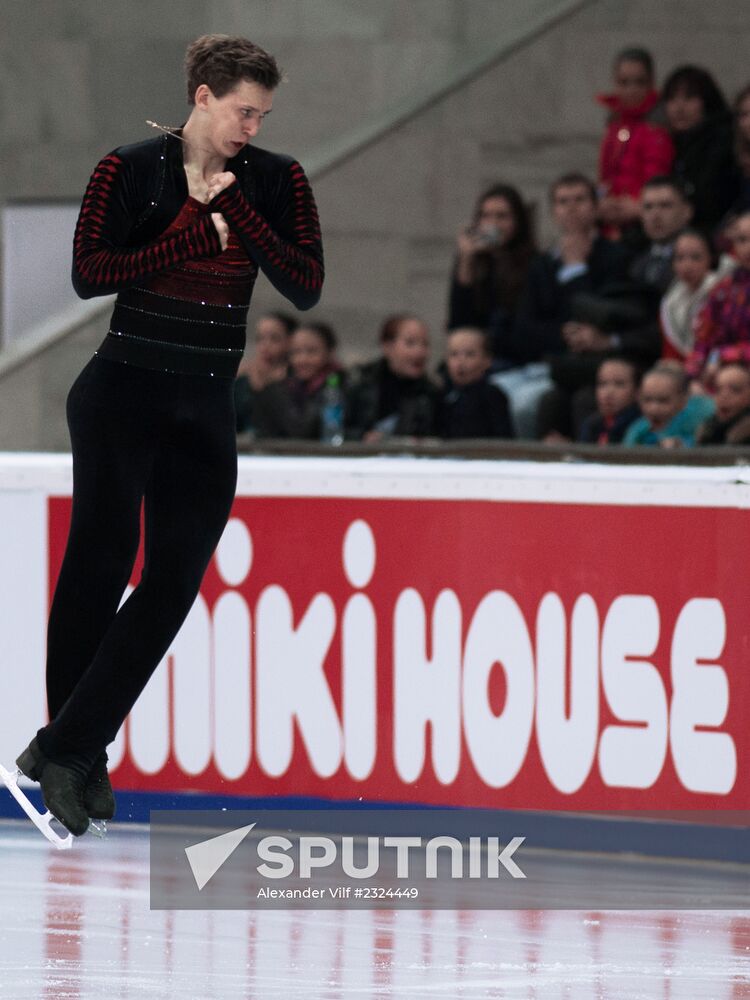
[(98, 797), (43, 821), (62, 788)]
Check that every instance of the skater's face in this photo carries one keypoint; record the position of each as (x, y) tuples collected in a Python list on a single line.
[(466, 357), (233, 120), (309, 354), (271, 340), (661, 399), (732, 394), (692, 260), (632, 83), (615, 387), (409, 350)]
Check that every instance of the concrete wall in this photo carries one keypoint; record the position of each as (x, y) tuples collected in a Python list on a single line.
[(80, 77), (32, 395)]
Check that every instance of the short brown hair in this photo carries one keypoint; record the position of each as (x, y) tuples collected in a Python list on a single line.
[(574, 180), (222, 61)]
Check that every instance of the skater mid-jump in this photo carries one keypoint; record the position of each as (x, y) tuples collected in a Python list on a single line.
[(178, 226)]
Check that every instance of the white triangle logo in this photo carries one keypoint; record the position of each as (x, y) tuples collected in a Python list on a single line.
[(207, 857)]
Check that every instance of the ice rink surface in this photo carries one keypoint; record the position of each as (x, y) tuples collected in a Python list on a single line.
[(77, 924)]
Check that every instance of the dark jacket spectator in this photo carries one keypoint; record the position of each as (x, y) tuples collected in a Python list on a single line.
[(701, 126), (491, 266), (379, 400), (470, 406), (616, 402), (292, 408), (393, 395), (479, 410), (597, 429), (547, 302)]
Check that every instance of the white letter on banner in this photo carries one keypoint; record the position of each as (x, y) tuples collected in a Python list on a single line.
[(567, 742), (231, 653), (24, 595), (232, 696), (148, 725), (359, 667), (498, 635), (632, 756), (191, 683), (291, 684), (427, 690), (359, 654), (705, 762)]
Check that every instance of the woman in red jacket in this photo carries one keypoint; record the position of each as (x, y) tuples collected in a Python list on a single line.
[(634, 147)]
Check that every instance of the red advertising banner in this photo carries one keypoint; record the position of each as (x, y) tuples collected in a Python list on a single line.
[(544, 655)]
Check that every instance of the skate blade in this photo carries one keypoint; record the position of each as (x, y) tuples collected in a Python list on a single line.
[(42, 821), (98, 828)]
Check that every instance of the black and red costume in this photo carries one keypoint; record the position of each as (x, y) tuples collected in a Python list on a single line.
[(151, 416)]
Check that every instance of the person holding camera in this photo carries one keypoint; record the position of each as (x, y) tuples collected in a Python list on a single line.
[(492, 262)]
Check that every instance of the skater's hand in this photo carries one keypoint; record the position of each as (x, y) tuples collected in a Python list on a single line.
[(221, 228), (219, 182)]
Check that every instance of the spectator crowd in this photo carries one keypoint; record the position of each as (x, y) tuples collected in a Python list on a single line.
[(633, 327)]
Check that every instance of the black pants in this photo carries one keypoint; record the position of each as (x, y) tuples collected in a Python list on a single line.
[(164, 439)]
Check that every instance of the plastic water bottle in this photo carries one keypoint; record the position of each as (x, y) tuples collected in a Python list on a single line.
[(332, 412)]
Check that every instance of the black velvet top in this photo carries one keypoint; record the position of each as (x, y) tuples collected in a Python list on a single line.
[(181, 301)]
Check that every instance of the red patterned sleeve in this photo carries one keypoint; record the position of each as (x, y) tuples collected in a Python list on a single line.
[(287, 245), (102, 261)]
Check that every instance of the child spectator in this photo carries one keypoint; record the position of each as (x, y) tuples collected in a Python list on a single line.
[(696, 270), (731, 422), (291, 408), (722, 331), (634, 148), (491, 265), (701, 126), (471, 407), (616, 402), (670, 418), (393, 395), (269, 363)]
